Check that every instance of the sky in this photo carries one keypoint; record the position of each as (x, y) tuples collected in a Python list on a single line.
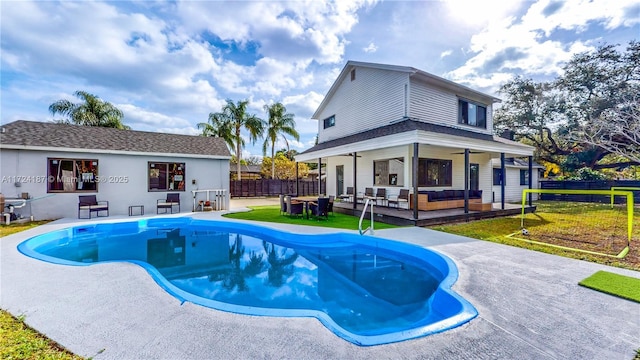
[(168, 65)]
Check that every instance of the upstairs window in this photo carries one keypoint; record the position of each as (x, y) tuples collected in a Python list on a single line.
[(353, 74), (472, 114), (330, 121)]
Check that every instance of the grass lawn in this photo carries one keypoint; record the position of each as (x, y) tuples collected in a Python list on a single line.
[(271, 213), (497, 229), (618, 285), (17, 340)]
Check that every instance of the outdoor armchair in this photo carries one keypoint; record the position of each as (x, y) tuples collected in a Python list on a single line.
[(173, 199), (90, 204)]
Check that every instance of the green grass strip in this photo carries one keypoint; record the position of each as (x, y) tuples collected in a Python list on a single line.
[(622, 286), (271, 213)]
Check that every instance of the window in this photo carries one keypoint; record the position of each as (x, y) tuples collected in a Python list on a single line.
[(434, 172), (524, 177), (166, 176), (330, 121), (497, 176), (388, 172), (472, 114), (353, 74), (72, 175)]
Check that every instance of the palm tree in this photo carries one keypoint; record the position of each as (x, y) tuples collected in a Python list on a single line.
[(93, 111), (280, 123), (228, 124)]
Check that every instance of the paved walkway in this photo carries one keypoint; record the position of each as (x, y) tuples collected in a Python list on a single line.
[(529, 304)]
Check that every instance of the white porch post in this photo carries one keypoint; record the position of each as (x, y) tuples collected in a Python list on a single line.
[(530, 179)]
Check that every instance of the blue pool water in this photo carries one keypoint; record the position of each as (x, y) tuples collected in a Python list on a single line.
[(365, 289)]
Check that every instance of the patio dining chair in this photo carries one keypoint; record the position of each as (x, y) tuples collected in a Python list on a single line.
[(403, 197), (320, 209), (381, 195), (348, 196)]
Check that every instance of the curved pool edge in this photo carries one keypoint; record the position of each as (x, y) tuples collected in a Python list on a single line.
[(466, 311)]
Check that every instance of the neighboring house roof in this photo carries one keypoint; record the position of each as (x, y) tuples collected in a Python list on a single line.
[(45, 136), (408, 125), (245, 168), (413, 72)]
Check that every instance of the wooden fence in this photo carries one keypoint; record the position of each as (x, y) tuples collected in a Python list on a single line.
[(587, 185), (273, 187)]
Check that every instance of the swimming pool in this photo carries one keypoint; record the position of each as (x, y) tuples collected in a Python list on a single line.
[(367, 290)]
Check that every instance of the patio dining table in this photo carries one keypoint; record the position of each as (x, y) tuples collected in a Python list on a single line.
[(306, 200)]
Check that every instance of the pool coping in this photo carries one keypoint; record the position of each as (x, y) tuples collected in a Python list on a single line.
[(530, 306)]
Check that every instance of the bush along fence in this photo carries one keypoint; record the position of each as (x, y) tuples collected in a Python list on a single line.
[(273, 187), (589, 185)]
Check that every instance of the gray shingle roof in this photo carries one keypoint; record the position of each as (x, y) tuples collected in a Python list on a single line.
[(42, 134), (397, 128)]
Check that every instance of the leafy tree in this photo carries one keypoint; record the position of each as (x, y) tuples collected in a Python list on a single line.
[(582, 116), (93, 111), (285, 168), (280, 123), (228, 125)]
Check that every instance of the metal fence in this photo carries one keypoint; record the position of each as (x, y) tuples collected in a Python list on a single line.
[(273, 187), (588, 185)]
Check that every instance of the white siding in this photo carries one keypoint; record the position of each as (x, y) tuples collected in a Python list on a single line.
[(365, 169), (440, 106), (209, 174), (373, 99), (513, 189)]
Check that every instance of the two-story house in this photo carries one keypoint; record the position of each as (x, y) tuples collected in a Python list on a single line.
[(399, 127)]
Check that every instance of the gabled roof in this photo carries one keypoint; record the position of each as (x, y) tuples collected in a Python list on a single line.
[(423, 75), (35, 135)]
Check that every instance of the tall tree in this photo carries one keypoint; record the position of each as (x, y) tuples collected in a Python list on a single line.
[(566, 119), (229, 123), (93, 111), (279, 123)]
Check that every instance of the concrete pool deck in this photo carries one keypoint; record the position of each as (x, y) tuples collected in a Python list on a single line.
[(530, 307)]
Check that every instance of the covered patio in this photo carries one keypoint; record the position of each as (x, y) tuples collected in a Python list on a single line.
[(405, 217), (421, 157)]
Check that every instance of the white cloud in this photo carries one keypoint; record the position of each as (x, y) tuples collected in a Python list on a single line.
[(529, 45), (371, 48), (446, 53)]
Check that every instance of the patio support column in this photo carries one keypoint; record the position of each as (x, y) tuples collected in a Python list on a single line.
[(319, 176), (466, 181), (297, 181), (502, 179), (355, 181), (530, 179), (414, 164)]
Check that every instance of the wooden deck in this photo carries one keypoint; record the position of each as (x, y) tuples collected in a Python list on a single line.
[(404, 217)]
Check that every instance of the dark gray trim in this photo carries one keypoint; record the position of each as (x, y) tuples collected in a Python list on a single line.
[(402, 126)]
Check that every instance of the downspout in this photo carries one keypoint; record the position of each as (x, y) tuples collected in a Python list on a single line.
[(355, 181)]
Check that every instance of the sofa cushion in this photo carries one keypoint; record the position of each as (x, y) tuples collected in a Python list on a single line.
[(449, 194), (458, 194)]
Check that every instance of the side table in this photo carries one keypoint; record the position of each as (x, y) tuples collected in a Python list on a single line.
[(139, 207)]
